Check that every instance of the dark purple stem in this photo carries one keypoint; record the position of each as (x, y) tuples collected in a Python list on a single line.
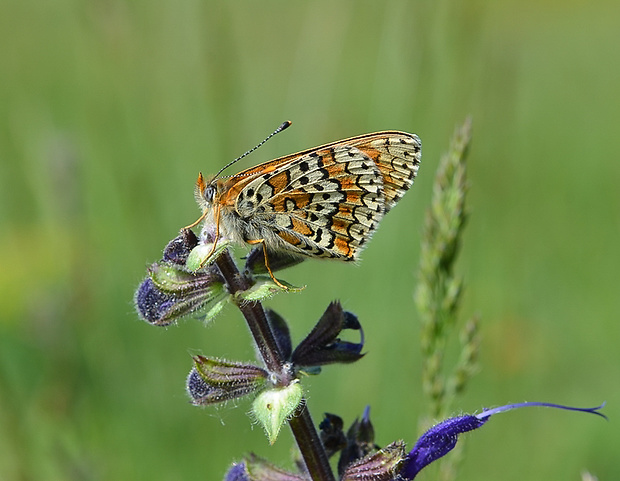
[(301, 424)]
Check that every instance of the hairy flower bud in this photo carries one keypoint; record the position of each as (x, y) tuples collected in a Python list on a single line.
[(254, 468), (169, 294), (213, 380), (382, 465), (178, 249)]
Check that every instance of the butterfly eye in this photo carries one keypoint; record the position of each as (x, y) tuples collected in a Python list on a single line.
[(209, 193)]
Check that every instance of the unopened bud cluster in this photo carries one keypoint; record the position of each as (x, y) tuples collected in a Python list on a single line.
[(186, 282)]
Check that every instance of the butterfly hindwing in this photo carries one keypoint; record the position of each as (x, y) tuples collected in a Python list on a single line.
[(328, 201)]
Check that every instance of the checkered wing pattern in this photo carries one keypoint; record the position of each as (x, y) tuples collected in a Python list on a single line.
[(327, 201)]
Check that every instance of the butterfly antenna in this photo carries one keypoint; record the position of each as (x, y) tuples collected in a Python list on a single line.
[(282, 127)]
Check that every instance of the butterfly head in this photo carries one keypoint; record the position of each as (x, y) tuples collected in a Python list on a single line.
[(205, 192)]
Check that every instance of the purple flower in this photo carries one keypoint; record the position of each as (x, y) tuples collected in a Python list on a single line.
[(324, 346), (237, 472), (441, 438)]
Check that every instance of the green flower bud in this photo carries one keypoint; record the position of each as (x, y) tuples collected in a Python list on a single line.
[(203, 254), (273, 407)]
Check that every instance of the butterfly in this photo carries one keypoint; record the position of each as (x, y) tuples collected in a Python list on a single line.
[(323, 202)]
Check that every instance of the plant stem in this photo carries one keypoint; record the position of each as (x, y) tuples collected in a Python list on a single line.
[(301, 424)]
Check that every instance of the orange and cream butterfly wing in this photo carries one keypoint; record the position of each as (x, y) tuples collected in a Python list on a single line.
[(327, 201), (397, 155)]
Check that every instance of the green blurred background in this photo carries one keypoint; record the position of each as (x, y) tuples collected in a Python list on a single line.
[(108, 110)]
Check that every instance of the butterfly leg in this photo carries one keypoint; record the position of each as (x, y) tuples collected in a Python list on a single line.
[(194, 224), (262, 241), (217, 235), (217, 231)]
